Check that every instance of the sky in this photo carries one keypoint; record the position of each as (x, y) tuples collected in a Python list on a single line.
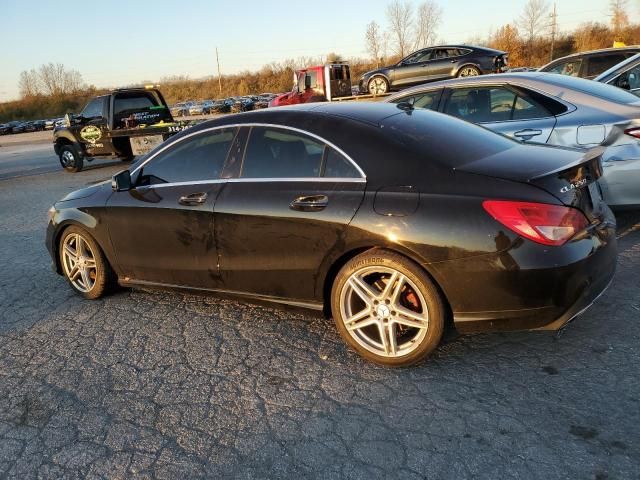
[(120, 42)]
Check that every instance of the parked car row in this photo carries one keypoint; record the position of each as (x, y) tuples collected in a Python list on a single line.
[(226, 105), (17, 126)]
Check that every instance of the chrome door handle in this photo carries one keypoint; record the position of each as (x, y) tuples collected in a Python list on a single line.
[(527, 133), (193, 199), (311, 203)]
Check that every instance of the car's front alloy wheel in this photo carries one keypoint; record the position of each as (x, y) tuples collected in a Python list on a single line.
[(387, 309), (83, 263), (378, 86)]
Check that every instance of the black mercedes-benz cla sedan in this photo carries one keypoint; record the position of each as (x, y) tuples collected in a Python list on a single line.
[(391, 220), (431, 64)]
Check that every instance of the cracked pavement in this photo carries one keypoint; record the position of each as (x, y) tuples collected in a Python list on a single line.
[(148, 384)]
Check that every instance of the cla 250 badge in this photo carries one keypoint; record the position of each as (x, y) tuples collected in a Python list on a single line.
[(573, 186), (91, 133)]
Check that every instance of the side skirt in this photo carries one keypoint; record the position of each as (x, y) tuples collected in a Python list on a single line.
[(128, 282)]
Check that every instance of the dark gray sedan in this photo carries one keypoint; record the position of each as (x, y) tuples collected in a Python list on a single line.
[(431, 64), (549, 108)]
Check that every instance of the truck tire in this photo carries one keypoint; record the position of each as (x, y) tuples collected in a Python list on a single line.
[(70, 159)]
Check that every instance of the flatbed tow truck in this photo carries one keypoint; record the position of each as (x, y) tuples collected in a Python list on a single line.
[(322, 83), (124, 123)]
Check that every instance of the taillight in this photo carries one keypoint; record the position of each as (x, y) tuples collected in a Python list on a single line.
[(634, 132), (540, 222)]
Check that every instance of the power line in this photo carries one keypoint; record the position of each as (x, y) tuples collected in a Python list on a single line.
[(554, 27)]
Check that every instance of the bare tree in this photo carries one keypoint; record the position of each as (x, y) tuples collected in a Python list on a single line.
[(619, 16), (57, 80), (333, 57), (29, 83), (428, 17), (374, 41), (399, 16), (532, 20)]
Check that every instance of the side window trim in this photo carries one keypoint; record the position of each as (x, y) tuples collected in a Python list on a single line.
[(242, 126)]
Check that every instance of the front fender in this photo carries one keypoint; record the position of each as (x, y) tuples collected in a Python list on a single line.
[(65, 137)]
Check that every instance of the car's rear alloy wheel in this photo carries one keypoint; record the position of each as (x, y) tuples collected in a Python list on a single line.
[(83, 263), (378, 86), (469, 71), (387, 309)]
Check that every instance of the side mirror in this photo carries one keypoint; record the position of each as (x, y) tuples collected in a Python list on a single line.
[(121, 181)]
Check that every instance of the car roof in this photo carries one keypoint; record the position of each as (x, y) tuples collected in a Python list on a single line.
[(631, 48), (481, 79)]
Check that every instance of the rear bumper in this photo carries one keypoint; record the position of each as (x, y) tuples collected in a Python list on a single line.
[(532, 290)]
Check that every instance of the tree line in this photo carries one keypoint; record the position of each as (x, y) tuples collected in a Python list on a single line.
[(532, 39)]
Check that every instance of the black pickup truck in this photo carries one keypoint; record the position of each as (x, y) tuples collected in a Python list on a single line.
[(125, 123)]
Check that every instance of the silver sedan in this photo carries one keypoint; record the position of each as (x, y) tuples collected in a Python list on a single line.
[(548, 108)]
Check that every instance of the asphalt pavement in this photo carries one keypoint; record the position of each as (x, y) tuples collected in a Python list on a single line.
[(168, 385)]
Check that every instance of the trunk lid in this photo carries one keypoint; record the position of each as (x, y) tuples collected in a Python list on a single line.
[(569, 175)]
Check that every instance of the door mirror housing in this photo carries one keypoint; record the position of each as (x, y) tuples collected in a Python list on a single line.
[(121, 181)]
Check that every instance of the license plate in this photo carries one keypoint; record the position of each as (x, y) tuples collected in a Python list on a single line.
[(594, 192), (142, 145)]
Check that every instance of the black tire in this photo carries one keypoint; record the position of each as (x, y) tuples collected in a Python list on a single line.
[(469, 71), (102, 275), (70, 159), (420, 342), (378, 85)]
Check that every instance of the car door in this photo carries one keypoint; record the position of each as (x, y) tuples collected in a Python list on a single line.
[(510, 111), (441, 63), (412, 70), (285, 211), (94, 132), (162, 230)]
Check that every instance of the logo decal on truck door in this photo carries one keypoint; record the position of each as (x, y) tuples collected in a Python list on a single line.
[(91, 133)]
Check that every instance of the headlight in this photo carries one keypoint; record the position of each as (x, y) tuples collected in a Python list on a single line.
[(51, 213)]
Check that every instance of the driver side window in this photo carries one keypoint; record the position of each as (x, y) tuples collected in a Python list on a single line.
[(629, 80), (194, 159), (418, 57), (93, 109)]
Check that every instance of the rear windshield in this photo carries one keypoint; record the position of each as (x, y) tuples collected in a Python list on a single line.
[(607, 92), (445, 139), (134, 102)]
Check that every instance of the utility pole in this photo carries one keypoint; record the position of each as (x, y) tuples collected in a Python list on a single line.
[(554, 29), (219, 77)]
